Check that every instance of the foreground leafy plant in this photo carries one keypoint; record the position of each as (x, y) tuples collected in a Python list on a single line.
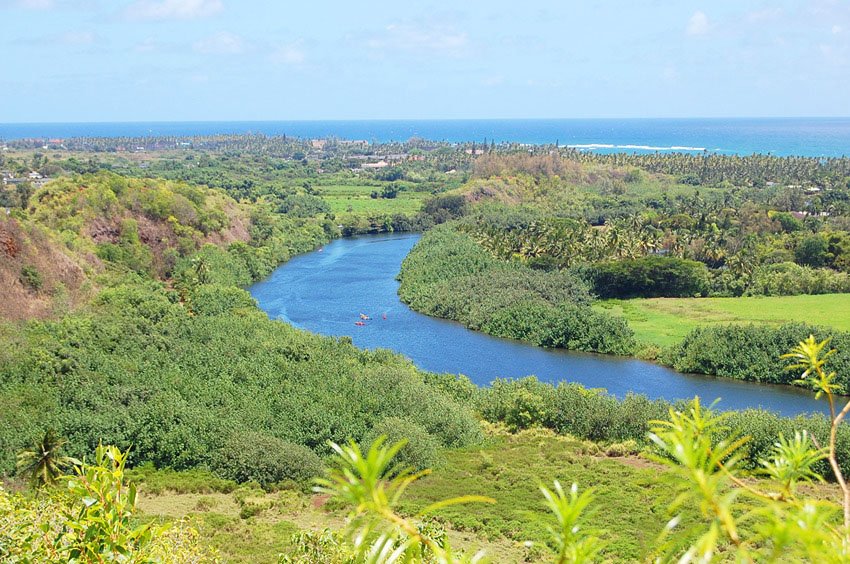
[(705, 456), (373, 486), (92, 521), (572, 545), (811, 356), (101, 528)]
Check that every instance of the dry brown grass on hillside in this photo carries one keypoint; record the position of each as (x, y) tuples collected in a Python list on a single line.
[(27, 256)]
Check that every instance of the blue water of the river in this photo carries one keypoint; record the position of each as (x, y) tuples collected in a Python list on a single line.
[(326, 291)]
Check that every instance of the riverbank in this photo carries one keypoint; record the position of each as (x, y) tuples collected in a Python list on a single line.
[(325, 292)]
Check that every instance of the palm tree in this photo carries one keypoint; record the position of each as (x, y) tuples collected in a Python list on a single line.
[(44, 463)]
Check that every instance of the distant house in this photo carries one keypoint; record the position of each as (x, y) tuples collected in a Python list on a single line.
[(379, 164), (318, 143), (805, 214)]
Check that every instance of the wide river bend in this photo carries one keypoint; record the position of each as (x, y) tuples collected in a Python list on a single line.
[(326, 291)]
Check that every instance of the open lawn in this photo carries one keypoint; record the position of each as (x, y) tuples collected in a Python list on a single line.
[(666, 321), (357, 200)]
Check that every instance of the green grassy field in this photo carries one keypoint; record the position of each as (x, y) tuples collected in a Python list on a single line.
[(630, 507), (356, 199), (666, 321), (629, 510)]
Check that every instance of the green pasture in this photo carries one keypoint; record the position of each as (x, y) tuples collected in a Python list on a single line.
[(666, 321), (356, 199)]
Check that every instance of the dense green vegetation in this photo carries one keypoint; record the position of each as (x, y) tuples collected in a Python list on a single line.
[(127, 324), (543, 221), (747, 352), (448, 275), (181, 384), (649, 277)]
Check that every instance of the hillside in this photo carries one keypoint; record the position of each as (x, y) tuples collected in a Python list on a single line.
[(79, 227), (39, 276)]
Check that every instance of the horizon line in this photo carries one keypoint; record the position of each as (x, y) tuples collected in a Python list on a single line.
[(313, 120)]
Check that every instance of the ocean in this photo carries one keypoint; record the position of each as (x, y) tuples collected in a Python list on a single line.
[(813, 137)]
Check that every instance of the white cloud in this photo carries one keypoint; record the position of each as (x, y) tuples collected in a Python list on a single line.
[(494, 80), (422, 37), (42, 5), (36, 4), (836, 29), (221, 43), (149, 45), (78, 38), (766, 15), (291, 54), (698, 24), (159, 10)]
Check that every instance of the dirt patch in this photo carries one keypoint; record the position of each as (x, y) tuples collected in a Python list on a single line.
[(8, 246), (638, 462), (37, 275)]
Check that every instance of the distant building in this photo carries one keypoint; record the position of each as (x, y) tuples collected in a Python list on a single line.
[(379, 164)]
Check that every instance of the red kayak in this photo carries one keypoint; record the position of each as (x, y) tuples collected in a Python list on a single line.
[(359, 323)]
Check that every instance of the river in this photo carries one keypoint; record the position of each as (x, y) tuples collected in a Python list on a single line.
[(326, 291)]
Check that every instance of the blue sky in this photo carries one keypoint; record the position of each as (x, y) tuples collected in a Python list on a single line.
[(140, 60)]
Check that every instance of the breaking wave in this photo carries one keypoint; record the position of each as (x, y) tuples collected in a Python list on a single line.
[(594, 146)]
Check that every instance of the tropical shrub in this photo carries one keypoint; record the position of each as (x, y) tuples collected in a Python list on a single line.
[(789, 279), (650, 277), (751, 352), (212, 299), (32, 277), (420, 448), (266, 460)]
